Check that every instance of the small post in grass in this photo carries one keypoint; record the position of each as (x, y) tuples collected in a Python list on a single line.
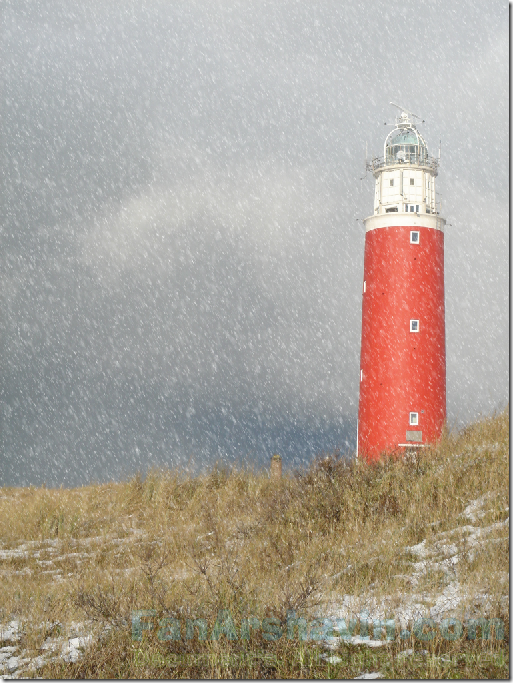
[(276, 467)]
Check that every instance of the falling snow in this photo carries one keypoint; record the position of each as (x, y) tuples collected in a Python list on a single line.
[(181, 241)]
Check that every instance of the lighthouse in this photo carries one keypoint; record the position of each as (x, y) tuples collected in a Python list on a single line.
[(402, 362)]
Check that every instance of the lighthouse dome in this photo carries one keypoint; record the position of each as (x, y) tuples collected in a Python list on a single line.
[(405, 145)]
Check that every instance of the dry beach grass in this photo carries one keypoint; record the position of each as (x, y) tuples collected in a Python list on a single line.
[(426, 536)]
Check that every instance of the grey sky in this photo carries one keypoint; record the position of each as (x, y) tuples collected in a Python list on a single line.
[(180, 257)]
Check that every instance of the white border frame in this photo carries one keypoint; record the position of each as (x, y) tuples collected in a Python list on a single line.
[(411, 234), (414, 424), (414, 320)]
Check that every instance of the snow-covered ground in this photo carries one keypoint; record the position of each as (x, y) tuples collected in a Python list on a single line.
[(442, 553), (16, 662)]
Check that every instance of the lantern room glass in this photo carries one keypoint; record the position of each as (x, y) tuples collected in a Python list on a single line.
[(405, 146)]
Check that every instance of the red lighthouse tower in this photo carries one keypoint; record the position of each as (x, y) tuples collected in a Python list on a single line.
[(402, 363)]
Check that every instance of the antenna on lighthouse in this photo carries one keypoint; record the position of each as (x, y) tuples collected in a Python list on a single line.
[(366, 166), (403, 110)]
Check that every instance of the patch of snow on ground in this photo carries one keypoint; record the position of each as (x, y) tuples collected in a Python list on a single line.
[(474, 510), (69, 648), (437, 555), (368, 677), (11, 631)]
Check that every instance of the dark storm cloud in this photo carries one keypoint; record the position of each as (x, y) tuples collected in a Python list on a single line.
[(181, 260)]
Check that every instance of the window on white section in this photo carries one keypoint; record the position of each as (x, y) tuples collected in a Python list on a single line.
[(414, 325), (391, 182), (412, 207), (417, 208), (414, 418), (412, 181), (414, 237)]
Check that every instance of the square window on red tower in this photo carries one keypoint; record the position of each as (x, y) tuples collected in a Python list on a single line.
[(414, 325), (414, 237), (414, 418)]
